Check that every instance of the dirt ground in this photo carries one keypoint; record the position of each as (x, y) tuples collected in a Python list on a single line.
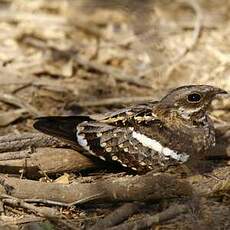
[(62, 57)]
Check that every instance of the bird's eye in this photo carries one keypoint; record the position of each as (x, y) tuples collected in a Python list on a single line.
[(194, 97)]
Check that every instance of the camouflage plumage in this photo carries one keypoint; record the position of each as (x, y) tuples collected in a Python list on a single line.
[(143, 137)]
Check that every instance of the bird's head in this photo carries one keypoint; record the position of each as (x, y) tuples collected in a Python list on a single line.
[(190, 102)]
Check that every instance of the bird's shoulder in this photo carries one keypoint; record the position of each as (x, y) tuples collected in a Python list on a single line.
[(129, 115)]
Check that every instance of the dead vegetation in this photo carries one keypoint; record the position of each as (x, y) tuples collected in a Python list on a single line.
[(60, 57)]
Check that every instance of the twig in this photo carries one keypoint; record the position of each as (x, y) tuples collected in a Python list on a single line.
[(24, 220), (46, 212), (197, 28), (41, 211), (14, 142), (46, 202), (39, 18), (14, 155), (87, 199), (195, 37), (148, 221), (111, 71), (199, 21), (11, 99), (117, 216)]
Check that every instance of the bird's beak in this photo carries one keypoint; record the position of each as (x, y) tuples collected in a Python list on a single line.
[(219, 91)]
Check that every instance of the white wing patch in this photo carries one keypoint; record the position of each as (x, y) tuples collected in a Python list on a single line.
[(156, 146), (148, 142), (84, 144), (82, 141)]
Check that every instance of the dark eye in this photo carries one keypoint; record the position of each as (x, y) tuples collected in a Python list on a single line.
[(194, 97)]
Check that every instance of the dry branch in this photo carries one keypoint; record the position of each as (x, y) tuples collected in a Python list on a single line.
[(42, 211), (116, 217), (22, 220), (111, 189), (59, 160), (148, 220), (49, 213), (115, 188), (13, 142), (44, 160)]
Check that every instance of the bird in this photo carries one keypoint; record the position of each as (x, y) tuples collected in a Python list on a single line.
[(150, 136)]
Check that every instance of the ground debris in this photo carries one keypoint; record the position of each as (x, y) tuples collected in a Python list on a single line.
[(60, 57)]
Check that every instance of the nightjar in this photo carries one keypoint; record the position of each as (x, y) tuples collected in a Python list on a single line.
[(174, 130)]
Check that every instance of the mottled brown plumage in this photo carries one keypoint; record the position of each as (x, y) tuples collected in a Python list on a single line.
[(149, 136)]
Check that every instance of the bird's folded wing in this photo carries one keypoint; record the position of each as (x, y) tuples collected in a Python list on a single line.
[(114, 144)]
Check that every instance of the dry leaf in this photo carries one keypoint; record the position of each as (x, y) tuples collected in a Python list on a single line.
[(64, 179)]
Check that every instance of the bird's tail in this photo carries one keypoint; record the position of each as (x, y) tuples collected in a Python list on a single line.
[(63, 127)]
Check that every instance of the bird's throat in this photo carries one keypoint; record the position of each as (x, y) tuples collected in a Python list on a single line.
[(195, 114), (182, 117)]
